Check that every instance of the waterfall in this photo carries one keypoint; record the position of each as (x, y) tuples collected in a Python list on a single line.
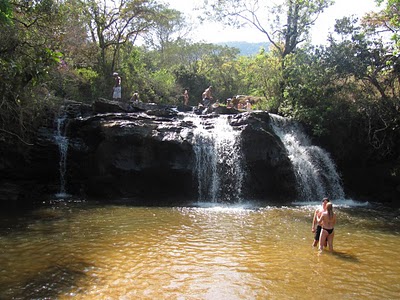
[(218, 165), (314, 169), (62, 141)]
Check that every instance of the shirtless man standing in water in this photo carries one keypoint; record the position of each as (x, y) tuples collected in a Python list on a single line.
[(316, 226)]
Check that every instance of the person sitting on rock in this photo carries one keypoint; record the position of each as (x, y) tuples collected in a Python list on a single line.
[(135, 97), (235, 102), (229, 103)]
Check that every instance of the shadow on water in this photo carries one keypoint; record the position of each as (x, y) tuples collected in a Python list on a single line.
[(345, 256), (18, 221), (49, 283), (372, 218)]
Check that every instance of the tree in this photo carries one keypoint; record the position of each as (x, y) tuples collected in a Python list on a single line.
[(388, 19), (285, 36), (169, 26), (195, 66), (347, 93), (261, 75), (113, 23), (28, 51), (289, 28), (367, 58), (361, 54)]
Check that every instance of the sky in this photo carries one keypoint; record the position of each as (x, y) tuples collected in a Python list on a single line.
[(214, 33)]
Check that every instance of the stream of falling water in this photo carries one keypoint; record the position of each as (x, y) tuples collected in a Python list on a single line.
[(219, 167), (62, 141), (315, 171)]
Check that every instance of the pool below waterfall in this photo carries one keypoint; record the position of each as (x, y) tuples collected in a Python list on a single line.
[(85, 250)]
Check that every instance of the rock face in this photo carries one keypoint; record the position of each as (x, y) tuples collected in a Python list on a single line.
[(147, 152), (269, 171), (131, 155)]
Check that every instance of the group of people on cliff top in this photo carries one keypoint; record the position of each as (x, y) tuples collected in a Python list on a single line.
[(207, 96), (208, 100), (323, 224), (234, 102)]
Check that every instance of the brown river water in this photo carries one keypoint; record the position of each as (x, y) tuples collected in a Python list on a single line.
[(98, 251)]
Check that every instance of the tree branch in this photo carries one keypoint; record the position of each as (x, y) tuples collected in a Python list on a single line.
[(17, 136)]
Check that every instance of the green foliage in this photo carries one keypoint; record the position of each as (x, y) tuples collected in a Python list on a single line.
[(169, 25), (79, 84), (307, 96), (220, 68), (390, 18), (261, 75), (163, 86), (28, 53), (347, 93), (5, 11), (192, 81)]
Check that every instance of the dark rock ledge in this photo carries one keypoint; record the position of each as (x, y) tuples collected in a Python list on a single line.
[(142, 151)]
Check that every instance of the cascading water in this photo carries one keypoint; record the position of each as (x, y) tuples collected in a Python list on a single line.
[(218, 168), (314, 169), (62, 141)]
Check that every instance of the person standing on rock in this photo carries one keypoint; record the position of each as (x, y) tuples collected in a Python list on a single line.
[(186, 97), (207, 96), (117, 87)]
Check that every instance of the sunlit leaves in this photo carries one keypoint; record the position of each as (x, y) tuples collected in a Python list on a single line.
[(113, 24), (387, 20), (169, 25), (5, 11)]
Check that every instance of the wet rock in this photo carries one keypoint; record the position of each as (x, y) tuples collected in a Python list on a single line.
[(145, 151), (151, 154)]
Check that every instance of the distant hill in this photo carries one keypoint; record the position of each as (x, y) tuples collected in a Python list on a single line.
[(246, 48)]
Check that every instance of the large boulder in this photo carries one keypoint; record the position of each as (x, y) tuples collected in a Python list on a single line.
[(269, 170)]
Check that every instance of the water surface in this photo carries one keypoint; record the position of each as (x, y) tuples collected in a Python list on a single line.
[(97, 251)]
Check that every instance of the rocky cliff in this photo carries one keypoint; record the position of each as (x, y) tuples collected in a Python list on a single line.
[(146, 153)]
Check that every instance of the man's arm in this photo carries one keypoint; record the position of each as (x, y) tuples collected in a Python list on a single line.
[(320, 217), (314, 220)]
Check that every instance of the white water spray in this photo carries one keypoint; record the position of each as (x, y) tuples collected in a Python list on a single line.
[(314, 169), (218, 168)]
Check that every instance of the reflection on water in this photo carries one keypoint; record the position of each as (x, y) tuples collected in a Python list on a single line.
[(93, 251)]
